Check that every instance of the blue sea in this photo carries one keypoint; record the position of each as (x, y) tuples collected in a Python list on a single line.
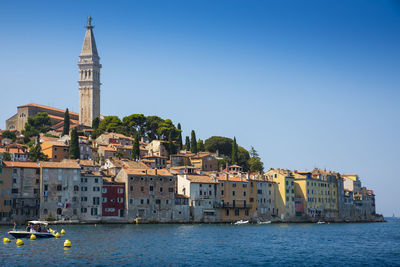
[(344, 244)]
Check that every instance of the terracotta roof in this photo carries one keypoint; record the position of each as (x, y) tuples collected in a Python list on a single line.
[(59, 165), (46, 107), (148, 157), (161, 172), (20, 164), (201, 179), (84, 162), (183, 167), (55, 143), (232, 179), (91, 174)]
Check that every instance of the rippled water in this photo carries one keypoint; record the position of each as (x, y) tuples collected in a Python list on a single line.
[(212, 245)]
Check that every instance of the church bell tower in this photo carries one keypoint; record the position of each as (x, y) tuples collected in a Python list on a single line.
[(89, 79)]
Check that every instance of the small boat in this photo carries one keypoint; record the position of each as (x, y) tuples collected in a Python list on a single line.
[(267, 222), (320, 222), (241, 222), (43, 233)]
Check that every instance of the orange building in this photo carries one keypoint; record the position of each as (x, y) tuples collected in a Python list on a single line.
[(234, 195), (55, 150)]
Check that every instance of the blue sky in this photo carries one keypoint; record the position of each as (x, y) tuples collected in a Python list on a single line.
[(307, 83)]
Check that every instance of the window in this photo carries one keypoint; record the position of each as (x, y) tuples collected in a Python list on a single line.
[(96, 200), (37, 171), (227, 212), (201, 193), (59, 187), (141, 201), (120, 190), (104, 190), (233, 192), (222, 192), (96, 189), (251, 200), (236, 212), (83, 210), (151, 188), (246, 212), (46, 187), (158, 201), (245, 185), (161, 189), (83, 199), (44, 211), (96, 180), (104, 200), (131, 188), (76, 188), (244, 193), (120, 200), (233, 185)]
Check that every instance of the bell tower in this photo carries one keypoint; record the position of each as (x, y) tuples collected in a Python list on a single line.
[(89, 79)]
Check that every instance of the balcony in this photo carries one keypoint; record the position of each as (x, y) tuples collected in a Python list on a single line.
[(219, 205)]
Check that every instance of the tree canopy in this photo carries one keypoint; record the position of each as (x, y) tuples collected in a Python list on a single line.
[(36, 125), (35, 152), (255, 163), (150, 127), (10, 135)]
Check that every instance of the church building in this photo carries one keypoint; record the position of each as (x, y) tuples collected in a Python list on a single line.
[(89, 93)]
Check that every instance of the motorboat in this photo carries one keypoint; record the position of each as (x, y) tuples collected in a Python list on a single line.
[(267, 222), (38, 228), (241, 222), (320, 222)]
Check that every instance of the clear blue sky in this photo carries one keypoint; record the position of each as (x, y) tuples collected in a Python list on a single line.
[(307, 83)]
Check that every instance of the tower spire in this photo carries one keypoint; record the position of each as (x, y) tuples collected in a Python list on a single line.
[(89, 78)]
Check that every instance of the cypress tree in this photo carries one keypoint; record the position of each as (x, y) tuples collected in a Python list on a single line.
[(95, 123), (180, 143), (66, 123), (200, 146), (187, 143), (234, 151), (193, 143), (171, 145), (136, 148), (74, 152)]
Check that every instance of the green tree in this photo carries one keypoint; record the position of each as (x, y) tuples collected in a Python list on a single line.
[(136, 148), (110, 124), (35, 152), (6, 156), (234, 156), (193, 142), (119, 154), (134, 123), (256, 165), (95, 123), (180, 142), (66, 123), (10, 135), (218, 143), (74, 152), (36, 125), (243, 157), (200, 146), (221, 163), (187, 143), (171, 145)]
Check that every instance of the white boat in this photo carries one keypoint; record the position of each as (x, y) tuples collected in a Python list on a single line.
[(241, 222), (267, 222), (43, 233), (320, 222)]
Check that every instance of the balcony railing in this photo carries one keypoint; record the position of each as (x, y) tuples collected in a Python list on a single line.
[(232, 206)]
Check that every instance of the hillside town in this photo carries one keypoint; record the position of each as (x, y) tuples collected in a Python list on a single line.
[(57, 165)]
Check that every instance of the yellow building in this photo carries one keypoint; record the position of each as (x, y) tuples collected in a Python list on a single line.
[(234, 195), (5, 191), (284, 192), (55, 150), (318, 192), (261, 197)]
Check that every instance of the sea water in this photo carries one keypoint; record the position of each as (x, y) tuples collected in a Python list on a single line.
[(344, 244)]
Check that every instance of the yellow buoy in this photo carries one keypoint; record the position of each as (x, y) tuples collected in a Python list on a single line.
[(62, 231), (19, 242), (57, 235), (33, 237), (67, 243), (6, 240), (51, 230)]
